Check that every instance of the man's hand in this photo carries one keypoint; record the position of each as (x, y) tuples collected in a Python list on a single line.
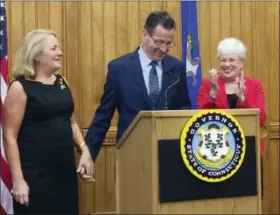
[(86, 166)]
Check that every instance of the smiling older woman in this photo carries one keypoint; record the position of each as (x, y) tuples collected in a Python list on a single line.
[(227, 87)]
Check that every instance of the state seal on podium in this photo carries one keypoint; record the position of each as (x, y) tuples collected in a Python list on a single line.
[(213, 145)]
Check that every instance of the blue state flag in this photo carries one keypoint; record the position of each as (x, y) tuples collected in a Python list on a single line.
[(190, 49)]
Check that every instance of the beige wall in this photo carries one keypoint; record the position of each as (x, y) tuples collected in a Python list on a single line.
[(93, 33)]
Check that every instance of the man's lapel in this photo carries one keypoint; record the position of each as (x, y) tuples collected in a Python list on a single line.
[(136, 68)]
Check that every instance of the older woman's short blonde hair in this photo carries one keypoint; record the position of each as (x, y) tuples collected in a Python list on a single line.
[(232, 46), (27, 54)]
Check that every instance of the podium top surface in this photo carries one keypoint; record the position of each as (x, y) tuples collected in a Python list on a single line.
[(181, 113)]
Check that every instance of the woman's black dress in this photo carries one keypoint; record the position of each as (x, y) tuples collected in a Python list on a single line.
[(46, 148)]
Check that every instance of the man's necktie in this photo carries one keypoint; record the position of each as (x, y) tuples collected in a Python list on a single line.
[(153, 83)]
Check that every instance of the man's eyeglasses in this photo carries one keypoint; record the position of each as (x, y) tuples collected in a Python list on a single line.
[(162, 43)]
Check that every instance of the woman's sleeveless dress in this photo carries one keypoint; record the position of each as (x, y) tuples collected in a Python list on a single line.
[(46, 148)]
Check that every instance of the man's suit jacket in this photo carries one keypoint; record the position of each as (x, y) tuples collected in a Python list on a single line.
[(125, 91), (253, 92)]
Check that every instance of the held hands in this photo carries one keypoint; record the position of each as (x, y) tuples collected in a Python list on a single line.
[(86, 165), (20, 192)]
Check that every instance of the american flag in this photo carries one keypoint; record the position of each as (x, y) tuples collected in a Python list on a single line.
[(6, 206)]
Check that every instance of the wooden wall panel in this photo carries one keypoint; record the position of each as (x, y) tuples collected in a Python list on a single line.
[(110, 37), (56, 23), (204, 35), (86, 62), (214, 32), (235, 18), (173, 9), (16, 22), (133, 26), (43, 14), (93, 33), (72, 51), (30, 16), (96, 74), (269, 73), (224, 24), (122, 20), (247, 34)]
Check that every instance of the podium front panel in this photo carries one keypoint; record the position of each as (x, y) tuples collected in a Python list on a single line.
[(176, 183)]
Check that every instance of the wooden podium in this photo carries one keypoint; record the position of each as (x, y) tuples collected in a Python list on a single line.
[(140, 188)]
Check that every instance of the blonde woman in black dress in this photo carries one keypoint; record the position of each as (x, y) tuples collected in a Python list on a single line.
[(40, 131)]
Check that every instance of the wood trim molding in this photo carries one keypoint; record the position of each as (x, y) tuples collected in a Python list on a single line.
[(110, 138), (274, 130)]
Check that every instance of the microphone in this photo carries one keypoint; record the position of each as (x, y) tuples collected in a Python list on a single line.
[(171, 85)]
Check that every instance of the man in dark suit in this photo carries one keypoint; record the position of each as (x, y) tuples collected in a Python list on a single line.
[(146, 79)]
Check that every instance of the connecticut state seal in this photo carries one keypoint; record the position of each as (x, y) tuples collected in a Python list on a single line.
[(213, 145)]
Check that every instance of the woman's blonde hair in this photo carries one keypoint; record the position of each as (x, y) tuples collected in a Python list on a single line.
[(27, 54)]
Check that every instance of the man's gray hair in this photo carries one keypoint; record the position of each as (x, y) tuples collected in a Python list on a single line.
[(232, 46)]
